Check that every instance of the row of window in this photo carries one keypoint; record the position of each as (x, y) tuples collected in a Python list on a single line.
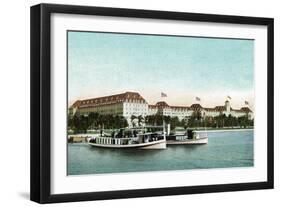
[(143, 110)]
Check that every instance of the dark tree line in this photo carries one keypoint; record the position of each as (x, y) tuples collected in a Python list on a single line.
[(196, 120), (157, 120), (82, 123)]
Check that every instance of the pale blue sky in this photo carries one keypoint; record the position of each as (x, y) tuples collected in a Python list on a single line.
[(183, 67)]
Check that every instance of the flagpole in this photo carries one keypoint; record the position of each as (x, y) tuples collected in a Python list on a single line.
[(162, 99), (198, 101)]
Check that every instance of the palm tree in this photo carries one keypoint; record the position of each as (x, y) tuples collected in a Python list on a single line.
[(133, 117), (93, 119), (123, 122), (140, 120), (174, 121), (184, 122), (195, 119), (147, 120)]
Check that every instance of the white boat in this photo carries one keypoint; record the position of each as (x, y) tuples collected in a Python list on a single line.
[(135, 139), (190, 137)]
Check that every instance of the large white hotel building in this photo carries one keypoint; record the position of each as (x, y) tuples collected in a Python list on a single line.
[(132, 103)]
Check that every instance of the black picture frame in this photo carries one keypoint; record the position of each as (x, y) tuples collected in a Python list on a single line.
[(41, 99)]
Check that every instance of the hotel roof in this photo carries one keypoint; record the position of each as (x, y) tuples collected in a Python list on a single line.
[(108, 100), (136, 97)]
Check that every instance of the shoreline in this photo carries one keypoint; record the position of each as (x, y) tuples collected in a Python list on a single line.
[(226, 130), (207, 130)]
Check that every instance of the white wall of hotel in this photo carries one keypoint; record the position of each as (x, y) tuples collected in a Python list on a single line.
[(127, 108)]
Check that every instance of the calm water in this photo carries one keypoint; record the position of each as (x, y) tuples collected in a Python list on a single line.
[(225, 149)]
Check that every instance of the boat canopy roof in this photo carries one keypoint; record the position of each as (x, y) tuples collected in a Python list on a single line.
[(143, 127), (148, 133)]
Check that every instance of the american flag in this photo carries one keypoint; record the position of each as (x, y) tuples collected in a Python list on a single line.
[(163, 94), (246, 102), (198, 99)]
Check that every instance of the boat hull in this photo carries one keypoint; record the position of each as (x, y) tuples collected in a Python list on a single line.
[(203, 140), (160, 144)]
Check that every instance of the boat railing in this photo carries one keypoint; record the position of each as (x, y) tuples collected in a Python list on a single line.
[(141, 138)]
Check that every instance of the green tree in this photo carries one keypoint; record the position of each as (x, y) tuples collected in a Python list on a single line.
[(174, 122), (93, 119), (133, 117), (140, 120), (195, 119), (184, 122)]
